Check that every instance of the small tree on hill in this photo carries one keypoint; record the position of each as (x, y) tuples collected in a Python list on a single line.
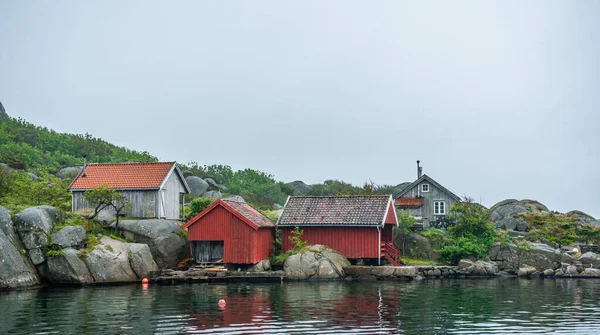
[(103, 197)]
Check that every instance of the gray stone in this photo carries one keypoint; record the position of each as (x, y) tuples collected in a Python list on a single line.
[(383, 271), (163, 237), (212, 184), (262, 266), (68, 268), (213, 194), (109, 262), (538, 255), (506, 216), (32, 176), (235, 198), (464, 263), (503, 203), (33, 225), (413, 245), (140, 259), (7, 227), (70, 236), (525, 271), (534, 204), (591, 272), (298, 186), (318, 262), (6, 168), (197, 185), (406, 271), (106, 216), (2, 111), (589, 258), (548, 273), (69, 172), (16, 269), (571, 270), (584, 218)]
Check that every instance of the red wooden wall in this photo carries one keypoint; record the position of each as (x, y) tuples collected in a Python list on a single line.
[(352, 242), (241, 243)]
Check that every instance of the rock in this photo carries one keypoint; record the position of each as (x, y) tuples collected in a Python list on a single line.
[(34, 224), (16, 270), (2, 111), (109, 262), (548, 243), (212, 194), (526, 271), (235, 198), (6, 168), (566, 258), (106, 216), (571, 270), (505, 215), (383, 271), (7, 227), (212, 184), (584, 218), (463, 264), (548, 273), (589, 258), (141, 260), (68, 268), (162, 236), (534, 204), (298, 186), (414, 245), (406, 271), (537, 255), (591, 272), (318, 262), (197, 185), (68, 172), (262, 266), (32, 176), (503, 203), (70, 236)]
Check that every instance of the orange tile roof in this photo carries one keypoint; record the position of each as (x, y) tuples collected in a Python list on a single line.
[(123, 176), (414, 202)]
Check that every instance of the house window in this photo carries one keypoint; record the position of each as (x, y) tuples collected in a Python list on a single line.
[(424, 187), (439, 208)]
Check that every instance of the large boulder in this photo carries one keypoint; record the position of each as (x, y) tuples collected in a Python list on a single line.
[(115, 261), (505, 215), (197, 185), (69, 172), (106, 216), (70, 236), (414, 245), (511, 257), (68, 268), (298, 186), (534, 204), (7, 227), (213, 194), (163, 237), (584, 218), (16, 269), (212, 184), (477, 269), (34, 226), (318, 262)]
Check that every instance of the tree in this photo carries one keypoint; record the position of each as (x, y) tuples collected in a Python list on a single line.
[(196, 206), (103, 197)]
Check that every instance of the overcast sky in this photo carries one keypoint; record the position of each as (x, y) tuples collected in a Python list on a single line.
[(497, 99)]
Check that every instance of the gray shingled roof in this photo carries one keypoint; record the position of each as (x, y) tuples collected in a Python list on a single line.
[(250, 213), (335, 210)]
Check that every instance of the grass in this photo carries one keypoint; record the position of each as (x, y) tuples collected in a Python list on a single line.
[(415, 261)]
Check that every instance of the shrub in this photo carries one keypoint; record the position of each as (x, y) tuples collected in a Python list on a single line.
[(196, 206)]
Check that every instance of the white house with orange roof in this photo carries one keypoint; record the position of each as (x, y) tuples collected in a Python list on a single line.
[(155, 190)]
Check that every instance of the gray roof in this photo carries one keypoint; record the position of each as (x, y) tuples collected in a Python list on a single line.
[(430, 180), (335, 211)]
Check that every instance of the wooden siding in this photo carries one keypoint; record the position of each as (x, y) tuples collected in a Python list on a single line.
[(241, 243), (143, 203), (170, 197), (352, 242), (426, 210)]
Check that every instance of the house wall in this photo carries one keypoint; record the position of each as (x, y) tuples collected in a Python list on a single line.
[(170, 197), (426, 210), (241, 243), (143, 203), (352, 242)]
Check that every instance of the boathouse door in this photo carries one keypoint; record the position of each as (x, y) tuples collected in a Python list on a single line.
[(208, 251)]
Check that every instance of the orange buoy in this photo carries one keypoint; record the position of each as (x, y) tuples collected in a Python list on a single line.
[(145, 281), (222, 303)]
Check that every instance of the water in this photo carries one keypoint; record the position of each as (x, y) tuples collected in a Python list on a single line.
[(435, 307)]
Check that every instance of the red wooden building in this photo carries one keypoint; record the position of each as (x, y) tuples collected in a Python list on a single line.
[(230, 231), (359, 227)]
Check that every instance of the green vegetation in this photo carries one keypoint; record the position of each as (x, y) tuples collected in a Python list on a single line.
[(299, 246), (55, 253), (19, 191), (25, 146), (196, 206), (103, 197), (405, 222), (559, 228), (415, 261)]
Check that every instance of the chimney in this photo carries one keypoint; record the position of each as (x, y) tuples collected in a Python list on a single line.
[(83, 175), (419, 170)]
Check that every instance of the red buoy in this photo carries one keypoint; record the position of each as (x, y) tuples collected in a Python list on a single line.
[(145, 281), (222, 303)]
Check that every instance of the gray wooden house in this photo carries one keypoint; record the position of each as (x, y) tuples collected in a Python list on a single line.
[(155, 190), (425, 199)]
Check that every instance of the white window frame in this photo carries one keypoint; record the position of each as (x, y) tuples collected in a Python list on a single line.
[(436, 207), (423, 188)]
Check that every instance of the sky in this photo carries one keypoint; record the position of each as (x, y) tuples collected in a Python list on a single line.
[(497, 99)]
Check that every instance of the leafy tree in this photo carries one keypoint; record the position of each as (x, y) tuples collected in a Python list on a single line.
[(256, 187), (196, 206), (103, 197)]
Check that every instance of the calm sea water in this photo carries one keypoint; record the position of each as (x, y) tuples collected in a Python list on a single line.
[(435, 307)]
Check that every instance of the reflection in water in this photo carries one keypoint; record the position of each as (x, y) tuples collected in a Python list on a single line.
[(431, 307)]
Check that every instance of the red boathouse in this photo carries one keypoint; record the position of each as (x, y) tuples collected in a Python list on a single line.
[(231, 232), (359, 227)]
